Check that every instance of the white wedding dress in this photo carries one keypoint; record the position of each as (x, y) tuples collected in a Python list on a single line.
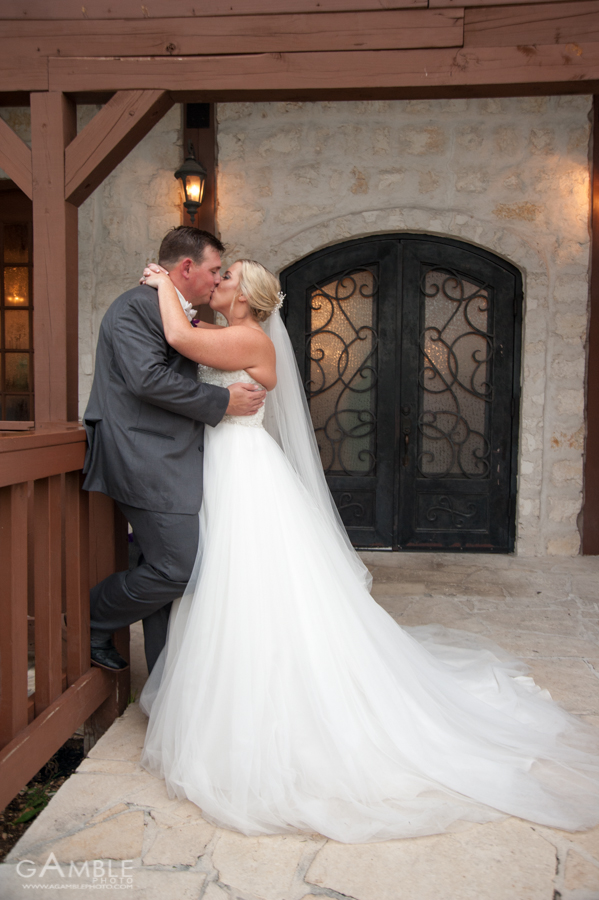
[(287, 700)]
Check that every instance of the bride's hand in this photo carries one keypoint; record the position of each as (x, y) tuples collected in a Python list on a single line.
[(154, 275)]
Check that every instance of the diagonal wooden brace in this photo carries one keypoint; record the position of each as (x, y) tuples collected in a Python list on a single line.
[(15, 158), (109, 137)]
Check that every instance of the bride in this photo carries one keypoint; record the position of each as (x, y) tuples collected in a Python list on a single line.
[(286, 699)]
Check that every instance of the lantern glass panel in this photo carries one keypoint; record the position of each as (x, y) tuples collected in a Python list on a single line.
[(195, 188)]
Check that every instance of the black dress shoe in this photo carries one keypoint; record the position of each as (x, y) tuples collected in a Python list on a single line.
[(108, 658)]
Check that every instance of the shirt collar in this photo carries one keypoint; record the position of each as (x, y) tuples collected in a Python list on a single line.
[(187, 309)]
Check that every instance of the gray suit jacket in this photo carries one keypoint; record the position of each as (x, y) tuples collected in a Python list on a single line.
[(146, 412)]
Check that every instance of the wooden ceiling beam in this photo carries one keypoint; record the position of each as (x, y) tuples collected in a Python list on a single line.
[(19, 75), (486, 67), (110, 136), (98, 10), (15, 158), (29, 10), (449, 4), (379, 30), (547, 23)]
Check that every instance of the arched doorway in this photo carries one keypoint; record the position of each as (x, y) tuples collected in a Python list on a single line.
[(409, 349)]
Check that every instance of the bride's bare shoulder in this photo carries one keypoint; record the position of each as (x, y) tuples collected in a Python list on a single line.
[(250, 336)]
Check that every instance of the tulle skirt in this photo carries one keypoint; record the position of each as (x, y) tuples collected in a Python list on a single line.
[(287, 700)]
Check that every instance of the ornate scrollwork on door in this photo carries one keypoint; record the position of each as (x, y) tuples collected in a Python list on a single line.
[(445, 505), (341, 352), (455, 377)]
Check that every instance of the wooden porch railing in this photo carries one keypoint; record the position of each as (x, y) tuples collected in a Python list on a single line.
[(55, 542)]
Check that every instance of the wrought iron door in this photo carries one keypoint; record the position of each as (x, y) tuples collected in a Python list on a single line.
[(409, 352)]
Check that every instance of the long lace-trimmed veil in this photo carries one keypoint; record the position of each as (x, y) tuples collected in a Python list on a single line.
[(287, 419)]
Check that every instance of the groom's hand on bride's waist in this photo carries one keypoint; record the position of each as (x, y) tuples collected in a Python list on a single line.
[(244, 399)]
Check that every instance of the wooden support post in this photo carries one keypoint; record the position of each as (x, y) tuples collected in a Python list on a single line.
[(53, 127), (48, 582), (76, 576), (590, 525), (13, 635), (108, 545), (199, 128)]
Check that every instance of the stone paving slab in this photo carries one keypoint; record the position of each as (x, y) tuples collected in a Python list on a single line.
[(114, 816)]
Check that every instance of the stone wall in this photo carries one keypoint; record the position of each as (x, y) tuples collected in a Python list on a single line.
[(510, 175)]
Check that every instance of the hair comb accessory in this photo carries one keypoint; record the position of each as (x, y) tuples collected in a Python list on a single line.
[(281, 297)]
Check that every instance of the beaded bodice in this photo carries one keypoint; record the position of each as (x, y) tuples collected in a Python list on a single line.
[(223, 379)]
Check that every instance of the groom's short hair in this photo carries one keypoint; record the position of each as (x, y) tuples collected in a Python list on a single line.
[(186, 241)]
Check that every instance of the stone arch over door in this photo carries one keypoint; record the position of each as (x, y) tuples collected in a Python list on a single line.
[(409, 349)]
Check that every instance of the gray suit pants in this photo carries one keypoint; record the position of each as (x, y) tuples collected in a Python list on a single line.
[(168, 543)]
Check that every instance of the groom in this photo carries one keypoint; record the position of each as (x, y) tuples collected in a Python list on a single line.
[(145, 424)]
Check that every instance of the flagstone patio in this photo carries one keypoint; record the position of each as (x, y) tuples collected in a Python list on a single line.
[(111, 813)]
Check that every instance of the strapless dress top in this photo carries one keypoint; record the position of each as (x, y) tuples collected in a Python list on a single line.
[(223, 379)]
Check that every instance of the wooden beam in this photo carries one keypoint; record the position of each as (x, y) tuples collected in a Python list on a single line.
[(97, 10), (108, 553), (204, 143), (76, 570), (109, 137), (47, 581), (590, 511), (15, 158), (14, 76), (449, 4), (547, 23), (35, 744), (28, 10), (484, 67), (11, 444), (379, 30), (53, 127), (43, 462), (13, 634)]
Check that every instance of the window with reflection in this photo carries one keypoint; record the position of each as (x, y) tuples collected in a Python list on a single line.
[(16, 311)]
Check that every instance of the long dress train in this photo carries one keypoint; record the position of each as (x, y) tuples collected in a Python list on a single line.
[(287, 700)]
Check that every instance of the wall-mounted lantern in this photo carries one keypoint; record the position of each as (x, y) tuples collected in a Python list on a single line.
[(192, 175)]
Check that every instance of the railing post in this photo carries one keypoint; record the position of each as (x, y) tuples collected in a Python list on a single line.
[(13, 633), (48, 590), (76, 576), (108, 553)]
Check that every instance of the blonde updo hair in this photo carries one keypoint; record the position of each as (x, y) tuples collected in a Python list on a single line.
[(260, 288)]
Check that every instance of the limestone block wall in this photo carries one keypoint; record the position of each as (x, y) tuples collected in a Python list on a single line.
[(510, 175)]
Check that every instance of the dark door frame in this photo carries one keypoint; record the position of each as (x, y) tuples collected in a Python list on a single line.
[(299, 323)]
